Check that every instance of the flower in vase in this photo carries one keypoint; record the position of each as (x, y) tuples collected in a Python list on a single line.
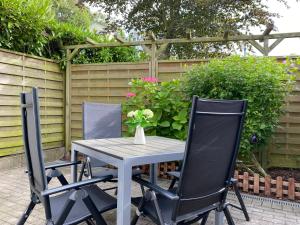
[(148, 113)]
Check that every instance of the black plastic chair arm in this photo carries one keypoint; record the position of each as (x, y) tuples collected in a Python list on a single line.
[(76, 185), (156, 188), (233, 181), (58, 165)]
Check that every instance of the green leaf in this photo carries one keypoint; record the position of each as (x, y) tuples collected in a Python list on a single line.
[(176, 126), (164, 124)]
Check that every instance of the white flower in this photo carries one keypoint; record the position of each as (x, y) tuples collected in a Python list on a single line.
[(131, 114), (148, 113), (130, 83)]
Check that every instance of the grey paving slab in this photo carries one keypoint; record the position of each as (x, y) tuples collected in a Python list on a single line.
[(14, 195)]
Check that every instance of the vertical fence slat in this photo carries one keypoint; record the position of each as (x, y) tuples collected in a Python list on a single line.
[(256, 184), (267, 185), (246, 182), (279, 187), (291, 189)]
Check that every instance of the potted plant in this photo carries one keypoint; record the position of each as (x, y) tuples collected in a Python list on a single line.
[(139, 119)]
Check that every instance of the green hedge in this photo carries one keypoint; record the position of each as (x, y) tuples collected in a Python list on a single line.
[(261, 80), (33, 27)]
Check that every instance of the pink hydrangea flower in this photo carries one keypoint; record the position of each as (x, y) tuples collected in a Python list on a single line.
[(150, 79), (130, 94)]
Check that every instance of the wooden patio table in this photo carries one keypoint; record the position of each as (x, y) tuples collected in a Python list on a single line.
[(123, 154)]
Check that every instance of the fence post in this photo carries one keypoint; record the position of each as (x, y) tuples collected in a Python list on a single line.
[(67, 102), (153, 60)]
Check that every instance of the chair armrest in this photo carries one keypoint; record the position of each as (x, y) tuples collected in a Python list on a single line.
[(62, 164), (76, 185), (58, 165), (156, 188), (233, 181)]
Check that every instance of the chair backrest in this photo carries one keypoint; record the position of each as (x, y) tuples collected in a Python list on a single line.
[(101, 121), (32, 141), (212, 146)]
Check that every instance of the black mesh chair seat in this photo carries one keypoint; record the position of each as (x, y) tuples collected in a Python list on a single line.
[(103, 171), (79, 211), (166, 207)]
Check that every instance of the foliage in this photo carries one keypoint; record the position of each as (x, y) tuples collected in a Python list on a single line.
[(41, 28), (66, 11), (262, 81), (172, 18), (166, 100), (139, 118), (23, 23)]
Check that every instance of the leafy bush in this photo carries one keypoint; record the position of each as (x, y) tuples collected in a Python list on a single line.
[(42, 27), (23, 23), (167, 102), (262, 81)]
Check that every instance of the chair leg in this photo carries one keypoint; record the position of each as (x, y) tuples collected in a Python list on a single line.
[(173, 182), (228, 216), (26, 214), (62, 180), (82, 171), (66, 209), (90, 222), (138, 212), (241, 201), (94, 211), (204, 219)]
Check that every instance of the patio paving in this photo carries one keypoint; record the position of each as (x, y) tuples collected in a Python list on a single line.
[(14, 196)]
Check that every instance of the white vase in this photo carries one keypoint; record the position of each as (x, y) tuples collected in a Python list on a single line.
[(139, 137)]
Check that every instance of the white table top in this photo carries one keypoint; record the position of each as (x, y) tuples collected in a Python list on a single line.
[(123, 148)]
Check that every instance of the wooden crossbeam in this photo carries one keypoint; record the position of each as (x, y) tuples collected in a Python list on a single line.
[(257, 46), (151, 35), (185, 40), (119, 38), (72, 54), (91, 41), (277, 42), (161, 49)]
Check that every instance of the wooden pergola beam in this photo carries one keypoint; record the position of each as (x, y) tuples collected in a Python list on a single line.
[(185, 40), (151, 36), (119, 38), (91, 41)]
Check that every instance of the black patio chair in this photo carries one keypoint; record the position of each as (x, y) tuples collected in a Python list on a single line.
[(211, 149), (101, 121), (67, 204), (233, 183)]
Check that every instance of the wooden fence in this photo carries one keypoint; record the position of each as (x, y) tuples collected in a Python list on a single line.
[(106, 83), (109, 83), (267, 186), (18, 73)]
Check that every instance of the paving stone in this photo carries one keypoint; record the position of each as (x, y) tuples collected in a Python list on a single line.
[(14, 197)]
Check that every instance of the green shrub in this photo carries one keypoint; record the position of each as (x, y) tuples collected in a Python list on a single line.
[(41, 28), (23, 23), (166, 100), (261, 80)]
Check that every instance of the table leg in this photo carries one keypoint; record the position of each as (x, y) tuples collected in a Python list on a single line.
[(74, 154), (153, 173), (219, 218), (124, 193)]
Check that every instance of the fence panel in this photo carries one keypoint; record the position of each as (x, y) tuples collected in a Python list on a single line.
[(106, 83), (18, 73), (109, 83)]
